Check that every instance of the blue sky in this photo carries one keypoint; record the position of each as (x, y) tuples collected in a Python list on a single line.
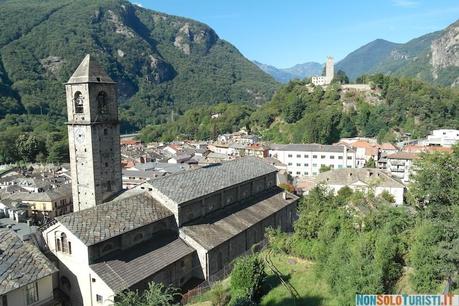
[(287, 32)]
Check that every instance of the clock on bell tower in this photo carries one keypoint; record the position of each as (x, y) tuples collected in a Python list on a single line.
[(94, 138)]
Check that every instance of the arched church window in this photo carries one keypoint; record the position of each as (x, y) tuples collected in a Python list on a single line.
[(102, 106), (78, 101)]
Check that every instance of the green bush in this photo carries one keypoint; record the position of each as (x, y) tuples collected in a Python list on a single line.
[(247, 278)]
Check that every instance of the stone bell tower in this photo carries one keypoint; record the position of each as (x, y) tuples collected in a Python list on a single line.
[(94, 137)]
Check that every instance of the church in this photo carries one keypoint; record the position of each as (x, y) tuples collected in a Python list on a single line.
[(175, 229)]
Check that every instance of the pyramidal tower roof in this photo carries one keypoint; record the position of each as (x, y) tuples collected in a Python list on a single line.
[(89, 71)]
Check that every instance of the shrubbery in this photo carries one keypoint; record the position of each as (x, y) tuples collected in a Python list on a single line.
[(246, 280)]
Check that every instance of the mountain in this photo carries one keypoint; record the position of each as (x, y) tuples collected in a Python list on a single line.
[(433, 57), (365, 58), (162, 63), (305, 70), (299, 71)]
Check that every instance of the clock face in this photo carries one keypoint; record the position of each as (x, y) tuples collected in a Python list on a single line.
[(79, 135)]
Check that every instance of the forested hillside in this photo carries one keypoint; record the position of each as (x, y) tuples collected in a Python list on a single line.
[(161, 62), (300, 113), (394, 105)]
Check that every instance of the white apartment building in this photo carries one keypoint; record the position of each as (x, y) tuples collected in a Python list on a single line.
[(443, 137), (306, 159), (400, 164)]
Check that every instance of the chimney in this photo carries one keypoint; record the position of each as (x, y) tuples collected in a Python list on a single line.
[(285, 195)]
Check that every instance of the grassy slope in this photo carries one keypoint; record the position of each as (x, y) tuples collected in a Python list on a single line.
[(300, 274)]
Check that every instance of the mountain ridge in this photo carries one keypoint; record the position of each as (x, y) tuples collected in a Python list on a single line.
[(161, 62), (298, 71), (433, 57)]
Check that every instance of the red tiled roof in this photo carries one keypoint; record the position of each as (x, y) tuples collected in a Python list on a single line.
[(402, 155)]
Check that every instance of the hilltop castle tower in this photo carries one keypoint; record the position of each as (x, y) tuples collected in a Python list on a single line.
[(94, 137), (322, 80), (329, 69)]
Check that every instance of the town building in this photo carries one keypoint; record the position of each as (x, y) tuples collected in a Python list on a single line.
[(26, 275), (48, 204), (360, 179), (307, 159), (443, 137), (329, 74), (173, 229), (400, 165), (364, 151)]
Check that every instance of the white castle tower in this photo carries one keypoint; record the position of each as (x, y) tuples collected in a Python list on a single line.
[(94, 137), (329, 74), (329, 70)]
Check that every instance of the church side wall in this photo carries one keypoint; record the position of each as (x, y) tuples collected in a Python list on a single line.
[(201, 207), (215, 259)]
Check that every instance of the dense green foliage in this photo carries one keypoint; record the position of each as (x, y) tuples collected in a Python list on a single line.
[(201, 122), (246, 280), (161, 62), (435, 192), (362, 244), (155, 295), (354, 253), (298, 114), (30, 138)]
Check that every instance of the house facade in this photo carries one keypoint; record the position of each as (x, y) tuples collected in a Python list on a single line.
[(304, 160), (400, 165), (364, 180), (26, 275), (443, 137)]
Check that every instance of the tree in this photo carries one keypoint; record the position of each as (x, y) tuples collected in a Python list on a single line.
[(28, 147), (370, 163), (8, 151), (58, 152), (247, 278), (341, 77), (155, 295), (434, 191), (324, 168), (158, 294), (436, 180)]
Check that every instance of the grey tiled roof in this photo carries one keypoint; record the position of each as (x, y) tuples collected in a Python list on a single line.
[(220, 228), (347, 176), (21, 263), (131, 210), (126, 268), (310, 147), (186, 186), (46, 196)]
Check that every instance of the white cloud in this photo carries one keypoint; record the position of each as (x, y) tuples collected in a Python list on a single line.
[(405, 3), (138, 4)]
